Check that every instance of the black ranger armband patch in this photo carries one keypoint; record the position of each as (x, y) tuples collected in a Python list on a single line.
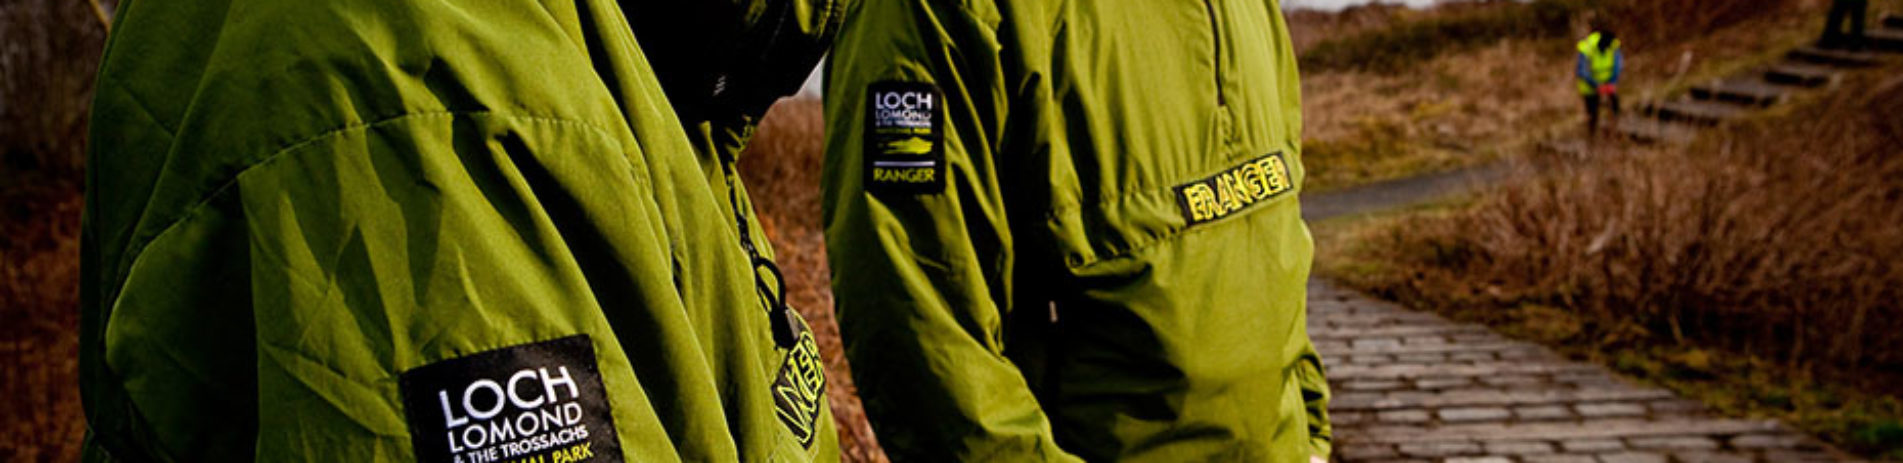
[(534, 402), (799, 389), (1234, 189), (904, 145)]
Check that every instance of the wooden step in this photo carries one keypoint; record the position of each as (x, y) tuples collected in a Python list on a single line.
[(1800, 74), (1890, 40), (1744, 90), (1701, 112), (1649, 130), (1836, 58)]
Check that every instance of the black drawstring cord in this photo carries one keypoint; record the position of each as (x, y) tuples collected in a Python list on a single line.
[(772, 294)]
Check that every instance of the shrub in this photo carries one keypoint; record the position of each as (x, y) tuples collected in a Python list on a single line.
[(1650, 22)]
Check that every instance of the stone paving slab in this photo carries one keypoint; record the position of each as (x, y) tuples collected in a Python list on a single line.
[(1440, 348), (1452, 368), (1634, 431), (1413, 386), (1471, 397), (1430, 329)]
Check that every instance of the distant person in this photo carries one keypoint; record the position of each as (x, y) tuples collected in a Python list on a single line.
[(1835, 35), (1600, 64)]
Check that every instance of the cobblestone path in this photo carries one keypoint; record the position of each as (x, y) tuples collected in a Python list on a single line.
[(1413, 386)]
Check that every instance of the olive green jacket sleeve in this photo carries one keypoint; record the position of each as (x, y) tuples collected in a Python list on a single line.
[(921, 279)]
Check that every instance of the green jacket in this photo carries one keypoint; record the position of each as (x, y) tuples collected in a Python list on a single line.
[(376, 230), (1064, 229)]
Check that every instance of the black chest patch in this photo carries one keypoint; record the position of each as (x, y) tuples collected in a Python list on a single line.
[(904, 144), (540, 402)]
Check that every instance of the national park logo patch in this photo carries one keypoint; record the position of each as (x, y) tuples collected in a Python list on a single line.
[(540, 402), (903, 144)]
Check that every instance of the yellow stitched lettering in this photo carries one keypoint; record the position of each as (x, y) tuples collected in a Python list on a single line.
[(1235, 189), (912, 175), (1202, 202)]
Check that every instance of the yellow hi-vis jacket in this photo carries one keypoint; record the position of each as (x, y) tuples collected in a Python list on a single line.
[(1598, 66)]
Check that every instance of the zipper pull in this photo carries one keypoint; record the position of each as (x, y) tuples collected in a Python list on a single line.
[(786, 330)]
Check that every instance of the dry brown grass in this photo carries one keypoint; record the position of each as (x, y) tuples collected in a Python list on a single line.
[(1647, 23), (1366, 126), (48, 50), (1776, 239), (1472, 105), (1308, 28), (39, 341)]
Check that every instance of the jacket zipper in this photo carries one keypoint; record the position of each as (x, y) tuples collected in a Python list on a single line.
[(1215, 36)]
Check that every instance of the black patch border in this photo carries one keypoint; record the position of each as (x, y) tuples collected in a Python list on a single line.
[(872, 139)]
